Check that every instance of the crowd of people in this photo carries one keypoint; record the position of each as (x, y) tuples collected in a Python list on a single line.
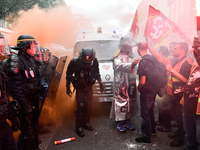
[(179, 99)]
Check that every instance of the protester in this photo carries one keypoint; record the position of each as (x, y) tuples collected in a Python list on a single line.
[(191, 102), (164, 102), (82, 72), (179, 74), (24, 88), (147, 95), (171, 56), (124, 81)]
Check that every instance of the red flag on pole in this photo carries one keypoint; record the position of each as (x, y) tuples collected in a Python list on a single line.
[(158, 27), (134, 27)]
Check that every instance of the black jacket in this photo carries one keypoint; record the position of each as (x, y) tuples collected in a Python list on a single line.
[(82, 77), (23, 82)]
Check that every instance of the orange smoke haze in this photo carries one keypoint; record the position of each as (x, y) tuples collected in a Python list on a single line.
[(54, 25)]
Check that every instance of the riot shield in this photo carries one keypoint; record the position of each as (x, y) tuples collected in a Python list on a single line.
[(49, 72), (53, 87)]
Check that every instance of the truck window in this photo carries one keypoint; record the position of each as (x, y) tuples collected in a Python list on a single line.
[(105, 49)]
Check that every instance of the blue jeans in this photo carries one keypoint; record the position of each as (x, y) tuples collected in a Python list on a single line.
[(192, 130), (147, 114)]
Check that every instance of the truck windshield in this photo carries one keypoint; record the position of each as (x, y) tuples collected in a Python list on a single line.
[(105, 49)]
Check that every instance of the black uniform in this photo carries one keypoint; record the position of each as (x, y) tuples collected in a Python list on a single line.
[(82, 79), (24, 88), (7, 140)]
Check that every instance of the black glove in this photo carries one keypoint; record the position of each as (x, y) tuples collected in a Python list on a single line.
[(69, 92), (15, 124), (101, 87)]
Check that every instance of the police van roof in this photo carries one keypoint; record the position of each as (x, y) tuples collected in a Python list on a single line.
[(97, 36)]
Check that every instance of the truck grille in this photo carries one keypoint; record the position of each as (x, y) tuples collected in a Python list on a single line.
[(108, 89)]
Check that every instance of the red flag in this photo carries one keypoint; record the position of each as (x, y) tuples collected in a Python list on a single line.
[(134, 27), (158, 27)]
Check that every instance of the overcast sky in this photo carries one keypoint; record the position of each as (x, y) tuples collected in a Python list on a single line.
[(109, 14)]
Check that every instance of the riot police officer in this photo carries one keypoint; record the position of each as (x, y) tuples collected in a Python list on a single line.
[(24, 89), (7, 140), (82, 72)]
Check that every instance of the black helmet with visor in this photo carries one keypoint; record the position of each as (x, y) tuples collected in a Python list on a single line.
[(86, 57)]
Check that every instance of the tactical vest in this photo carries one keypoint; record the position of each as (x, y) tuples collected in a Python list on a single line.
[(82, 77), (30, 86)]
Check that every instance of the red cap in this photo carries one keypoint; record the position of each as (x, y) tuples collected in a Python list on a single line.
[(73, 138)]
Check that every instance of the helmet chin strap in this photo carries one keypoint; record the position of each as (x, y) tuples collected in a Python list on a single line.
[(24, 51)]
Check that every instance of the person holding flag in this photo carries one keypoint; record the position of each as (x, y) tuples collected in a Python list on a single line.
[(179, 74)]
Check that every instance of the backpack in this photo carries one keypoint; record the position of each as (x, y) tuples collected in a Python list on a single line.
[(158, 76)]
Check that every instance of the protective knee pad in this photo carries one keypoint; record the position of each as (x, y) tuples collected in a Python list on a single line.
[(80, 107)]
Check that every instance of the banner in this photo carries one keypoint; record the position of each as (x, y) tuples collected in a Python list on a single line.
[(135, 27), (158, 27)]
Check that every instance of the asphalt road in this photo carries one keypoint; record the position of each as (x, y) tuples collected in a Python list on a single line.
[(104, 136)]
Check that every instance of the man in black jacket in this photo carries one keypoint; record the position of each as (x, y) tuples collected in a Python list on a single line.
[(82, 72)]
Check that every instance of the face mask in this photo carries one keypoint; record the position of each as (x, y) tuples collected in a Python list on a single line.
[(125, 48)]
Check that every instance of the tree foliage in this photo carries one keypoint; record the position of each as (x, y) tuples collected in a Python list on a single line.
[(10, 7)]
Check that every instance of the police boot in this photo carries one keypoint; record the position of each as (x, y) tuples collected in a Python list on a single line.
[(86, 124), (80, 131), (79, 125), (29, 144), (20, 142)]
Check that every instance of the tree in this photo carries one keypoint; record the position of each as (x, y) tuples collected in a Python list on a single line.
[(11, 7)]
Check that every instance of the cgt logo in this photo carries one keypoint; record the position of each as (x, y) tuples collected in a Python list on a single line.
[(105, 67)]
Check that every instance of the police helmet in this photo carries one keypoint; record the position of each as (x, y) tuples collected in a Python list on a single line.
[(24, 42), (86, 57), (46, 55)]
